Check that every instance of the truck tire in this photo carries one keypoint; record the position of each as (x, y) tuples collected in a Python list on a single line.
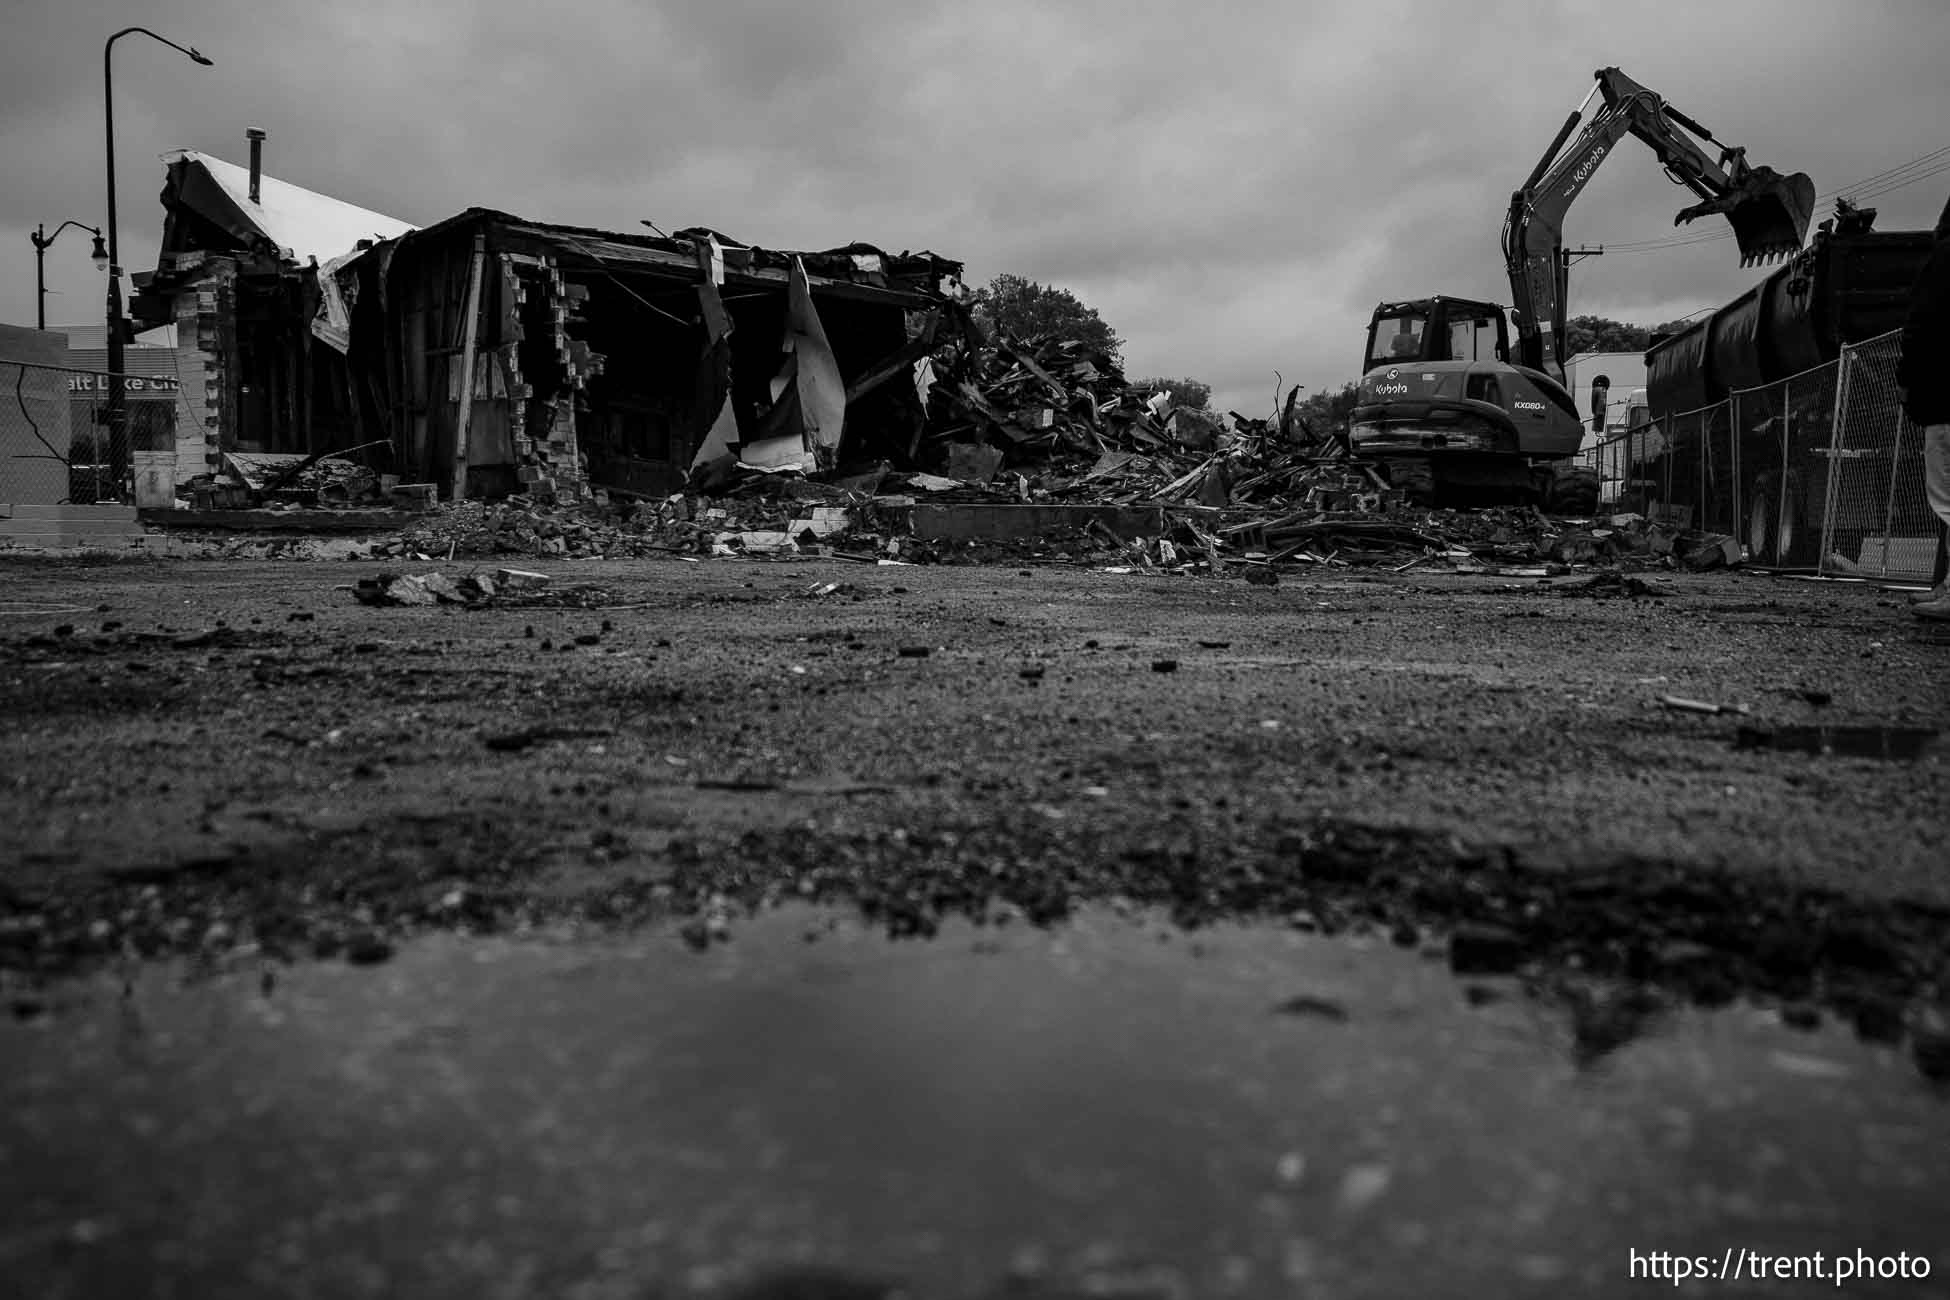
[(1774, 534), (1573, 490)]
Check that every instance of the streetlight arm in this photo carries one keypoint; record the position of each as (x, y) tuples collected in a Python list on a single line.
[(196, 56), (43, 241)]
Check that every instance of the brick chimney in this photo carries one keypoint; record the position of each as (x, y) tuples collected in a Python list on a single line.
[(257, 160)]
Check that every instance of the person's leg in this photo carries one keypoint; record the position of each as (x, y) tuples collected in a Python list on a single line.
[(1936, 469), (1936, 490)]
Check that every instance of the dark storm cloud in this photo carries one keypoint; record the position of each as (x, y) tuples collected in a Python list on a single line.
[(1232, 186)]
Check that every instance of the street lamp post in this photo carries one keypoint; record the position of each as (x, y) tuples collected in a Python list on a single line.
[(117, 421), (41, 241)]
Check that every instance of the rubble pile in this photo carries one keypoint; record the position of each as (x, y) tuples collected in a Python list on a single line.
[(1039, 423), (328, 480), (1057, 420), (800, 517), (1342, 522)]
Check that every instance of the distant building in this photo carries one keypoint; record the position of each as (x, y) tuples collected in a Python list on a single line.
[(1625, 408), (1625, 372)]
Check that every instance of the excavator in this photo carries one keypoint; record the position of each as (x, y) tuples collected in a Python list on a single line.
[(1449, 409)]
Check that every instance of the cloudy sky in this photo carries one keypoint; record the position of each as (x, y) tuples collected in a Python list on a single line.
[(1233, 185)]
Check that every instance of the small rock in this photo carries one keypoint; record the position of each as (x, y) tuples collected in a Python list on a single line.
[(1485, 950), (915, 652), (367, 949), (1930, 1048), (1877, 1019), (1362, 1186), (1801, 1015), (1314, 1007), (1164, 665)]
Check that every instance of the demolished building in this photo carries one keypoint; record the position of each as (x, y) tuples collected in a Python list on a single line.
[(489, 354), (590, 358), (237, 275)]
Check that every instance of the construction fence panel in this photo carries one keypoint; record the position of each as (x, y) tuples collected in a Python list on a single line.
[(1628, 465), (1781, 435), (1680, 478), (1717, 505), (58, 445), (36, 441), (1876, 522)]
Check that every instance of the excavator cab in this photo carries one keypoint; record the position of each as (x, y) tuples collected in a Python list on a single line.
[(1436, 329)]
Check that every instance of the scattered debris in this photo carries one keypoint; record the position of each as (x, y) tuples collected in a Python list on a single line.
[(529, 737), (1702, 706), (423, 589)]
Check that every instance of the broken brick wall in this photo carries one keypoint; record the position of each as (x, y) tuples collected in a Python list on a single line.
[(205, 312)]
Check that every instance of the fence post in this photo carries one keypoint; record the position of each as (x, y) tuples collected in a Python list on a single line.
[(1734, 417), (1834, 485)]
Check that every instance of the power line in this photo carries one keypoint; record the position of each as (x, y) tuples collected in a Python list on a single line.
[(1920, 168), (1892, 172)]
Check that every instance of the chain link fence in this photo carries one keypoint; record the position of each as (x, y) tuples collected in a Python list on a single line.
[(1876, 522), (1819, 471), (60, 446)]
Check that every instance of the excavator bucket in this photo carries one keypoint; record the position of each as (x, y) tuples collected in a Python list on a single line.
[(1769, 213)]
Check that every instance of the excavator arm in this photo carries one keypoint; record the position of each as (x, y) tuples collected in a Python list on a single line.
[(1769, 212)]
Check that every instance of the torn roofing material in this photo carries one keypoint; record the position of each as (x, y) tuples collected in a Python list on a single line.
[(857, 270), (299, 223)]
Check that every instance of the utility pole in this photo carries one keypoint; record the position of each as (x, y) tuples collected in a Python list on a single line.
[(117, 417)]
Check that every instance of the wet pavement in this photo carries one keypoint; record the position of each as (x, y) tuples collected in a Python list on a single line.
[(1110, 1106)]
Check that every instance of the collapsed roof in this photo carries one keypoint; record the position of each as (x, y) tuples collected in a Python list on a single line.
[(294, 223)]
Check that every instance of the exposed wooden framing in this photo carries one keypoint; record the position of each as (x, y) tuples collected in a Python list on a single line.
[(469, 336), (413, 326), (902, 360)]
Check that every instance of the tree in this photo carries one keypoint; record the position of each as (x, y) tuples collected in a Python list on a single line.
[(1325, 412), (1025, 309), (1184, 392), (1601, 334)]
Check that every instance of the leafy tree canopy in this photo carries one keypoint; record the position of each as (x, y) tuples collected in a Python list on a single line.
[(1602, 334), (1025, 309)]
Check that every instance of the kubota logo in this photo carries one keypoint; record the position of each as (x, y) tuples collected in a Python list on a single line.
[(1392, 388), (1585, 168)]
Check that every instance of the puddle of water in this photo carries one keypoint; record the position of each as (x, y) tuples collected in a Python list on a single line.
[(1245, 1111), (1906, 744)]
